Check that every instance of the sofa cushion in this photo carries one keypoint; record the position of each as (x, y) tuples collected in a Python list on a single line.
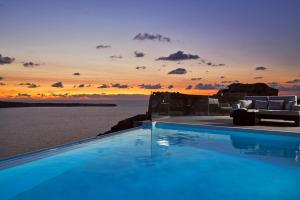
[(260, 104), (280, 112), (289, 105), (255, 98), (245, 103), (285, 98), (275, 104)]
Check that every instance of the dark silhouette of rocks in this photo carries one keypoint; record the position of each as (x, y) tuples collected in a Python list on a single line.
[(237, 91), (128, 123), (256, 89)]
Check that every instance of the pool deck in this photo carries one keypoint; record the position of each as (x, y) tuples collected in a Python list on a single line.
[(227, 122)]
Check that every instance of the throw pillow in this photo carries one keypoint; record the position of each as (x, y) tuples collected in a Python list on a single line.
[(245, 103)]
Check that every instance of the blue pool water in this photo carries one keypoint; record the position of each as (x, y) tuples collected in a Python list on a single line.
[(161, 161)]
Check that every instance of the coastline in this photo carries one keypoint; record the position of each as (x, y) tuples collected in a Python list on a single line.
[(10, 104)]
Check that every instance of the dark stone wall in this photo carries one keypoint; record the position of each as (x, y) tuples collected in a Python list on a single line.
[(165, 103)]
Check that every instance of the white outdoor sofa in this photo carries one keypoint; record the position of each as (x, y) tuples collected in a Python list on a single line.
[(269, 107)]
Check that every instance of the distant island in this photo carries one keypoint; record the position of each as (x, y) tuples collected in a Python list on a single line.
[(8, 104)]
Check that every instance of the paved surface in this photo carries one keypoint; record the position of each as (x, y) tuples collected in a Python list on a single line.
[(227, 121)]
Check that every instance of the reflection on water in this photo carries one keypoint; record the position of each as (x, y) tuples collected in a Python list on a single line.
[(249, 144), (267, 147)]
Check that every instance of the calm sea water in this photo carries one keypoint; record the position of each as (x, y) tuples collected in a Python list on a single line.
[(28, 129)]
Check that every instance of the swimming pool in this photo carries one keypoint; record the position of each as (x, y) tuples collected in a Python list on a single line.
[(161, 161)]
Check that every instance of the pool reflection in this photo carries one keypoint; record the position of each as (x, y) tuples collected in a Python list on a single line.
[(233, 142)]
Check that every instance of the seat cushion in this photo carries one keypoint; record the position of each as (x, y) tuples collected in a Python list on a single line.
[(255, 98), (275, 105), (289, 105), (260, 104), (285, 98), (280, 112)]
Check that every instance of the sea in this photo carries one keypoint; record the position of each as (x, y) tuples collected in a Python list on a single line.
[(24, 130)]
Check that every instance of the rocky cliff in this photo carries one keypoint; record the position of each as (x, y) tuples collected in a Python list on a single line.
[(237, 91), (130, 122)]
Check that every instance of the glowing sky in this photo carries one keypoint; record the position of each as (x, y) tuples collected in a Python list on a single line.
[(221, 41)]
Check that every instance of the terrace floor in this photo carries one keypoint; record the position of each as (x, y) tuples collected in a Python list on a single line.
[(227, 121)]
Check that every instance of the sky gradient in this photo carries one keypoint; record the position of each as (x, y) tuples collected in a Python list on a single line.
[(60, 48)]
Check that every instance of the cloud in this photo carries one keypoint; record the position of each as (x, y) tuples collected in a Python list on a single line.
[(23, 95), (229, 82), (2, 84), (140, 67), (101, 46), (118, 85), (33, 85), (170, 87), (103, 86), (178, 71), (6, 60), (76, 74), (196, 79), (152, 37), (282, 88), (179, 55), (292, 88), (60, 95), (81, 85), (103, 95), (215, 65), (294, 81), (30, 85), (258, 77), (261, 68), (57, 85), (274, 84), (116, 57), (30, 64), (87, 95), (222, 77), (1, 78), (208, 63), (139, 54), (189, 87), (41, 94), (201, 86), (150, 86)]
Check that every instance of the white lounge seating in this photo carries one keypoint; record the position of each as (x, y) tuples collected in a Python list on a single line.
[(271, 107)]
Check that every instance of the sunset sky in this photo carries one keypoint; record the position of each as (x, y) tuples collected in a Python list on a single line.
[(89, 48)]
